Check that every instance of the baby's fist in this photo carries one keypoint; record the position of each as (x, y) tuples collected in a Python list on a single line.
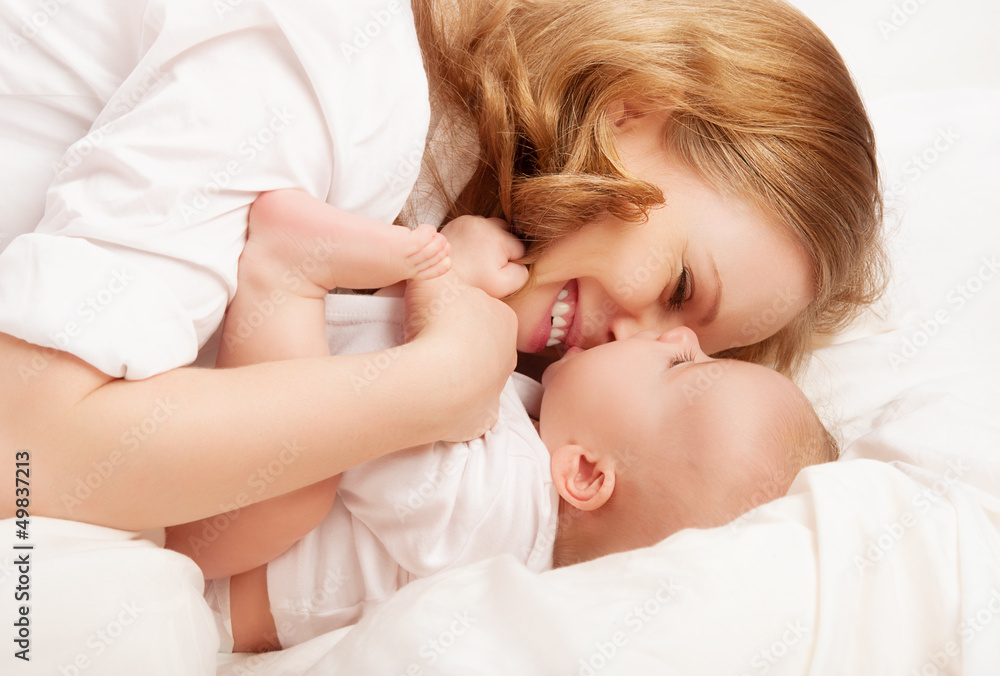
[(485, 254)]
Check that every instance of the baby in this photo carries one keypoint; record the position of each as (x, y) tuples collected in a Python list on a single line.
[(636, 440)]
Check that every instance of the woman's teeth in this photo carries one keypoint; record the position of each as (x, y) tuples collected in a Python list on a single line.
[(559, 323)]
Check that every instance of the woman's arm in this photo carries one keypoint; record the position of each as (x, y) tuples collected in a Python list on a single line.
[(191, 443)]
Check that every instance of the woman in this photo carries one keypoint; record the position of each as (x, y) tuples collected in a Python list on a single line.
[(748, 101), (760, 157)]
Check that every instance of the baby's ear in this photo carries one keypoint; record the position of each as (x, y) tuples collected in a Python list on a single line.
[(583, 477)]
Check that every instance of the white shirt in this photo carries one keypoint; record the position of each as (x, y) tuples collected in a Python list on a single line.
[(193, 108), (414, 513)]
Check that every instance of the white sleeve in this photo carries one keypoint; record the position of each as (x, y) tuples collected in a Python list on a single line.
[(135, 259)]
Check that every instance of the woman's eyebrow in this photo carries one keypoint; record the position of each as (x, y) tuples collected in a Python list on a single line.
[(713, 310)]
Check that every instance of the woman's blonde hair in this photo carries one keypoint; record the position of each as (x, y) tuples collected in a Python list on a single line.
[(762, 107)]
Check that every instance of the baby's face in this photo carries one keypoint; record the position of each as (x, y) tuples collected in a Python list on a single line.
[(689, 427), (631, 384)]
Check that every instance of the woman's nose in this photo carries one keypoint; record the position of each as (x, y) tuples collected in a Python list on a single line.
[(624, 326)]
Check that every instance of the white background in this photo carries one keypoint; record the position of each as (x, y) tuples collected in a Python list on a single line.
[(938, 44)]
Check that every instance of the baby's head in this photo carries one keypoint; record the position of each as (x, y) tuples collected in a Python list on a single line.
[(649, 436)]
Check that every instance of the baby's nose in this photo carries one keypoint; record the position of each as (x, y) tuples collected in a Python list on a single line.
[(680, 335)]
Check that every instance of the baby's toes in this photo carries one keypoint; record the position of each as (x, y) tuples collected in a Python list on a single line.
[(417, 241), (427, 262), (432, 243), (434, 268)]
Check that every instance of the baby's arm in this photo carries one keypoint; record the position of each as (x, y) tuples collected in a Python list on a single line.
[(298, 247)]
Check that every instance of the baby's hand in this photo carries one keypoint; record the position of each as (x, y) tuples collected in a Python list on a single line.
[(484, 254)]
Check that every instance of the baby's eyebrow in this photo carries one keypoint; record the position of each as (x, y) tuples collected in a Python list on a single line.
[(713, 310)]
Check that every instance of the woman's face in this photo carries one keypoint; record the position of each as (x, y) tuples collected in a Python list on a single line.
[(702, 260)]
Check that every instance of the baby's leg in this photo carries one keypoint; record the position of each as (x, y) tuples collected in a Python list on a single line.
[(250, 609), (241, 540), (298, 247), (332, 248)]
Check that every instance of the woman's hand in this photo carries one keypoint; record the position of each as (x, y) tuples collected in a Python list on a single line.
[(470, 341), (484, 254)]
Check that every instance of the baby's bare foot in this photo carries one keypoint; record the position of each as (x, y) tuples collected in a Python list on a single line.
[(294, 238), (429, 255), (371, 256)]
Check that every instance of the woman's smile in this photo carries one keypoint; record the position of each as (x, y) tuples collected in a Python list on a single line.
[(611, 278), (562, 325)]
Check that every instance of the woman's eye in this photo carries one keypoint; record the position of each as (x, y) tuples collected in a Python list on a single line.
[(682, 292)]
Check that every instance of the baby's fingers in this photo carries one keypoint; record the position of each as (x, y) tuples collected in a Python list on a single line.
[(509, 279), (513, 247)]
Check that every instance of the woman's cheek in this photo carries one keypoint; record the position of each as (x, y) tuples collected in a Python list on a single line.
[(525, 321)]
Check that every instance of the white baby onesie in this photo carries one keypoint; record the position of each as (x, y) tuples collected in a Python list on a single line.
[(415, 512)]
